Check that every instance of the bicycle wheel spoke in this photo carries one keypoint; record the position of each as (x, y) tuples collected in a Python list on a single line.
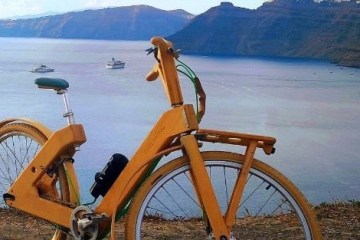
[(262, 207), (26, 156), (6, 158), (29, 152), (12, 149), (18, 156), (284, 201), (3, 186), (158, 212), (177, 204), (5, 175), (251, 194), (7, 163), (164, 205), (187, 194), (226, 186)]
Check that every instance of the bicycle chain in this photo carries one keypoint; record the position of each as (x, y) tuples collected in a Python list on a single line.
[(64, 203), (52, 170)]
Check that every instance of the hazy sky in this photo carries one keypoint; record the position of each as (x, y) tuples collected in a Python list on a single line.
[(9, 8)]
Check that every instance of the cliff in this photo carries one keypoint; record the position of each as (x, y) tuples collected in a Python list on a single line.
[(283, 28), (139, 22)]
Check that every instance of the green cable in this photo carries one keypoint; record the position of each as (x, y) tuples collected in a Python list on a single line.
[(72, 187), (187, 67), (187, 73), (191, 75)]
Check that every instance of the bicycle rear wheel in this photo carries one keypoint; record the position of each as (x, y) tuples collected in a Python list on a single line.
[(166, 206), (19, 143)]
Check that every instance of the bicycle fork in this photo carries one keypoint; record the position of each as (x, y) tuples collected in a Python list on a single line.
[(221, 225)]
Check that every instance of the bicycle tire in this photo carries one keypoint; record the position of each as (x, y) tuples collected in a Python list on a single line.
[(19, 143), (165, 207)]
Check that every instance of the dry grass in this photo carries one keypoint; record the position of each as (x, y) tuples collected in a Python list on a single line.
[(339, 221)]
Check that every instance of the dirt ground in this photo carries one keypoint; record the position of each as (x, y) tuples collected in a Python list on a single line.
[(339, 221)]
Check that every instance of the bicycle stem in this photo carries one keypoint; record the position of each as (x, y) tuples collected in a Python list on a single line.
[(165, 68)]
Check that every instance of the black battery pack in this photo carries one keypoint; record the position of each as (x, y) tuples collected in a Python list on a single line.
[(105, 179)]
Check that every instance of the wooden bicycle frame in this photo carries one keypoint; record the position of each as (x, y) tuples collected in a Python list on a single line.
[(177, 129)]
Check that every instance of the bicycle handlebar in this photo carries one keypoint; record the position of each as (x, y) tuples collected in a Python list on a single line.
[(166, 69)]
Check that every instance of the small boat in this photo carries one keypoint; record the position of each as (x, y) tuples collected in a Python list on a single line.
[(42, 69), (115, 64)]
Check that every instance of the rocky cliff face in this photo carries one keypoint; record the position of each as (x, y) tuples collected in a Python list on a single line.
[(127, 23), (325, 29), (286, 28)]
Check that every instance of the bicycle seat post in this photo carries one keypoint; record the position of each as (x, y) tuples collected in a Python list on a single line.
[(69, 115)]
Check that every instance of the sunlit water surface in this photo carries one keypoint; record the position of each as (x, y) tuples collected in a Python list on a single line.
[(311, 107)]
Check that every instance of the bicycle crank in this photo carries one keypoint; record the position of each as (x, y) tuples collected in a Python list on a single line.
[(85, 223)]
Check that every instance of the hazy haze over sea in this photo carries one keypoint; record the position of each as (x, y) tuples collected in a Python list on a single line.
[(311, 107)]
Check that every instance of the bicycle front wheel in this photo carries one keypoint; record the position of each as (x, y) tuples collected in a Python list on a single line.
[(166, 206), (19, 143)]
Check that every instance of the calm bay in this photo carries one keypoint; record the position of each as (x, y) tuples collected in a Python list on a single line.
[(311, 107)]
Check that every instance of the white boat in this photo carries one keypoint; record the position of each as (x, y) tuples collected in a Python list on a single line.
[(114, 64), (42, 69)]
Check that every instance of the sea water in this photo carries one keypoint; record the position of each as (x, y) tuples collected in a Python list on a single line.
[(311, 107)]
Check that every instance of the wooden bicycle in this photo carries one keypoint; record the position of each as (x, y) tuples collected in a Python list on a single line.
[(198, 195)]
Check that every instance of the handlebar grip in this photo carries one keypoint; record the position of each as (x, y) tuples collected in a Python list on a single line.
[(153, 75)]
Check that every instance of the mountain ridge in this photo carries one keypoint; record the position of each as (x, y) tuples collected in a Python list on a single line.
[(326, 30), (281, 28), (136, 22)]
